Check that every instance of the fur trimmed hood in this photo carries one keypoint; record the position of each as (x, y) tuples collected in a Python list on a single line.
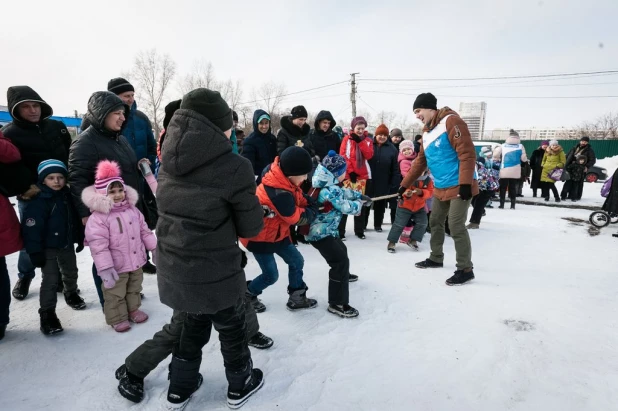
[(98, 202), (553, 150)]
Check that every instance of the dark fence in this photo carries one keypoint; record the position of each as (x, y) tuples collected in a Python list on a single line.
[(602, 148)]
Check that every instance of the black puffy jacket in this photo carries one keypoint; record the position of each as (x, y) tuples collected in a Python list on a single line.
[(45, 140), (96, 144), (259, 148), (384, 166), (322, 141), (292, 135)]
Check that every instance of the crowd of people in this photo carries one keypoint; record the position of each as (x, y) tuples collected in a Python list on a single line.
[(215, 191)]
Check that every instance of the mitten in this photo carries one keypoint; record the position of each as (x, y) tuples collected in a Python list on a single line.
[(465, 191), (109, 277), (38, 259)]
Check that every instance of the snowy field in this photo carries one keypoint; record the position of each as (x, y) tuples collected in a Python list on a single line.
[(536, 330)]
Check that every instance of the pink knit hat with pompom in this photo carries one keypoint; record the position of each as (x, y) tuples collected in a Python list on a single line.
[(107, 173)]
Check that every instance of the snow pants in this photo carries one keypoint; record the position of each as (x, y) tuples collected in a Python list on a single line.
[(124, 297), (401, 221), (457, 212), (60, 265), (335, 253), (152, 352)]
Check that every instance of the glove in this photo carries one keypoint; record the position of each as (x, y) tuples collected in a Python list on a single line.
[(400, 193), (80, 247), (353, 177), (268, 213), (465, 191), (367, 201), (355, 137), (38, 259), (109, 277), (243, 259)]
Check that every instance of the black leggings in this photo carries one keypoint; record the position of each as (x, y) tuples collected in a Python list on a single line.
[(545, 187)]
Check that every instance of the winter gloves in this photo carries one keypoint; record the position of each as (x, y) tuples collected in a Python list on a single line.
[(366, 200), (38, 259), (465, 192), (109, 277), (400, 193)]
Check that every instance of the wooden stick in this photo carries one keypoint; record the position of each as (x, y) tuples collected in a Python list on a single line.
[(384, 197)]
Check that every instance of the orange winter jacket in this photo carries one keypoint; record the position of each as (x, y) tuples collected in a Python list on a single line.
[(416, 202), (287, 201)]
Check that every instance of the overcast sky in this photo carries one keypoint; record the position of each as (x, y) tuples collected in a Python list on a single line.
[(68, 49)]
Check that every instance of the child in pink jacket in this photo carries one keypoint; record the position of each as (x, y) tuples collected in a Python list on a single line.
[(118, 237)]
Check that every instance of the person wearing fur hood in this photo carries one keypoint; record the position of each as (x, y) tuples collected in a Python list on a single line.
[(512, 153), (554, 158), (118, 237)]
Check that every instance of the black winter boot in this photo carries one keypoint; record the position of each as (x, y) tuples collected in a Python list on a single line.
[(353, 278), (130, 386), (21, 289), (513, 204), (298, 299), (260, 341), (460, 277), (502, 201), (75, 301), (243, 385), (345, 311), (257, 304), (50, 324), (184, 381), (428, 264)]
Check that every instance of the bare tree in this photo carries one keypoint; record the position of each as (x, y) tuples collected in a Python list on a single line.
[(387, 117), (269, 95), (232, 93), (153, 73), (202, 75), (608, 125)]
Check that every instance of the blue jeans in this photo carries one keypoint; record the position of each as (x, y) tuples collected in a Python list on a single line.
[(24, 265), (402, 217), (5, 292), (270, 274)]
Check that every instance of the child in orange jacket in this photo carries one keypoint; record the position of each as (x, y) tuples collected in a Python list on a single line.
[(412, 207), (280, 192)]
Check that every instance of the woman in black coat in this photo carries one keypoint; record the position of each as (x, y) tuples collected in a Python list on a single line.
[(385, 176), (537, 169)]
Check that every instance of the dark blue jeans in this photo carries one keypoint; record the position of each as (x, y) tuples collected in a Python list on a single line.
[(24, 265), (270, 274), (5, 292)]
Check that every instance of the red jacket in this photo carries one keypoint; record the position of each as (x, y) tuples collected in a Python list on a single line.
[(285, 199), (348, 150), (10, 230), (416, 202)]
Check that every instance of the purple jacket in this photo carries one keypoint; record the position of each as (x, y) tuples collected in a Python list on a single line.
[(117, 233)]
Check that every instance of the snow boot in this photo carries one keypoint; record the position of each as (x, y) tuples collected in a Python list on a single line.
[(138, 316), (298, 299), (428, 264), (352, 278), (260, 341), (130, 386), (50, 324), (184, 381), (473, 226), (75, 301), (122, 326), (21, 289), (149, 268), (413, 245), (361, 236), (257, 304), (239, 394), (391, 247), (345, 311), (512, 204), (557, 199), (460, 278)]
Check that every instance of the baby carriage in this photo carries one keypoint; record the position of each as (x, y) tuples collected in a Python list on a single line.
[(607, 215)]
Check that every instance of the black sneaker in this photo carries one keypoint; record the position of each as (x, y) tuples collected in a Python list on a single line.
[(428, 264), (75, 301), (130, 386), (260, 341), (149, 268), (344, 311), (258, 306), (50, 324), (21, 289), (238, 398), (361, 236), (378, 229), (460, 277), (353, 278)]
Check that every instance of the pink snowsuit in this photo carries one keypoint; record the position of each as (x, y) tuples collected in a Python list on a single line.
[(117, 233)]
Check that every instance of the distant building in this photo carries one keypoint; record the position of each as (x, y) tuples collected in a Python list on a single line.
[(533, 134), (474, 116)]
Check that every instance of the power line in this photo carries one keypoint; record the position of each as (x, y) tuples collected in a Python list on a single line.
[(295, 92), (513, 97), (368, 105), (500, 77)]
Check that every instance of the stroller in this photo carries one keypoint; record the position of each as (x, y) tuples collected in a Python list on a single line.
[(608, 214)]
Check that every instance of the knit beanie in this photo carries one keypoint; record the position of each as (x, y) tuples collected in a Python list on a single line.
[(585, 138), (170, 109), (234, 116), (48, 167), (406, 144), (553, 142), (295, 161), (299, 112), (119, 85), (545, 142), (396, 133), (381, 130), (426, 100), (356, 121), (335, 163), (107, 173), (211, 105)]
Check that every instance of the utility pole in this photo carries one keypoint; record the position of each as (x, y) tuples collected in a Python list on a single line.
[(353, 93)]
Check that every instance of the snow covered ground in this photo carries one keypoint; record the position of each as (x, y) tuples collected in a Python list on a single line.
[(591, 196), (536, 330)]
